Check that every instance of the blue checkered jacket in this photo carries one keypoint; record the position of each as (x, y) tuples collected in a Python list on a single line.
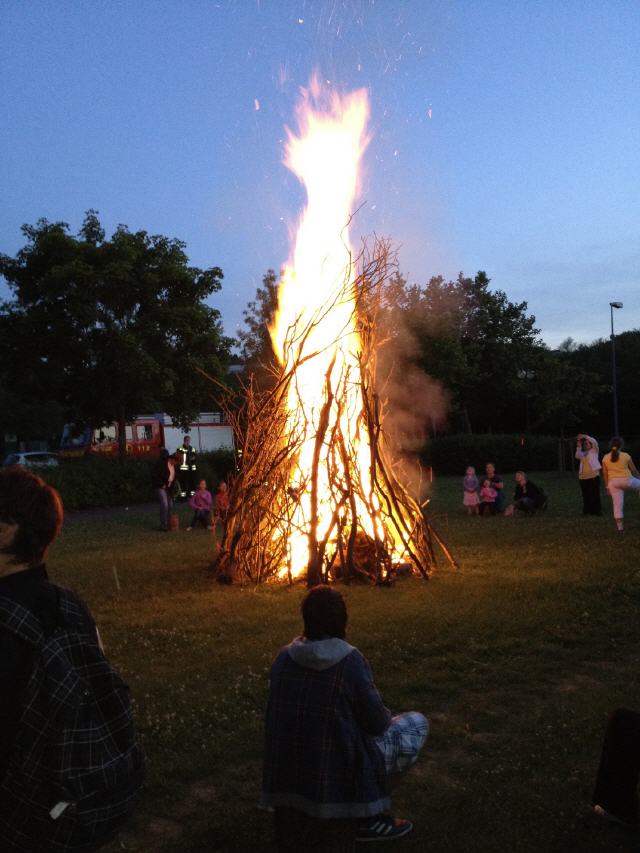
[(71, 778), (322, 714)]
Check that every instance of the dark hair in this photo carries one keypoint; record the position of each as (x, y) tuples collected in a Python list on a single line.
[(616, 445), (324, 613), (36, 509)]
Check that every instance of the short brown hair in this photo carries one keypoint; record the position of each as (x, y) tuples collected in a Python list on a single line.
[(28, 502), (324, 613)]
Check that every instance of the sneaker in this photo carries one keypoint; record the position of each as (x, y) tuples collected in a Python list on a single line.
[(382, 828), (605, 815), (189, 528)]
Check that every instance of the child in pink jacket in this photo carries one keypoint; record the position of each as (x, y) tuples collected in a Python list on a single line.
[(201, 502)]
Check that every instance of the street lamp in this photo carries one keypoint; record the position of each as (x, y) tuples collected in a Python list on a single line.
[(616, 431)]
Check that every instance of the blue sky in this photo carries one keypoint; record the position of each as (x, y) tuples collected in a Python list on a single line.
[(506, 135)]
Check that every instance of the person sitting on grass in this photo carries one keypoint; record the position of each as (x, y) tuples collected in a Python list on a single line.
[(221, 504), (527, 497), (201, 502), (331, 745)]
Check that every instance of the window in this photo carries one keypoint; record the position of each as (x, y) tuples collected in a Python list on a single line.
[(145, 432), (104, 434)]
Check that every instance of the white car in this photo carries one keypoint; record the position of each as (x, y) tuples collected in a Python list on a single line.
[(32, 458)]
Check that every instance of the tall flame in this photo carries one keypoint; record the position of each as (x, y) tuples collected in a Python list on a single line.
[(314, 333)]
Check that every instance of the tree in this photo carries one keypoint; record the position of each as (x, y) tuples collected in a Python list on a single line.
[(485, 351), (109, 328), (472, 340), (596, 358), (256, 349), (560, 395)]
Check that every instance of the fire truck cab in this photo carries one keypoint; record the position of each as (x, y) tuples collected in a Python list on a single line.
[(146, 435)]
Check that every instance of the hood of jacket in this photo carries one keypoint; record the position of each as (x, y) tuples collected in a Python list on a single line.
[(318, 654)]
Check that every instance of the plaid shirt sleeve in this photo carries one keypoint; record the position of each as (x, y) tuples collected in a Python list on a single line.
[(370, 711)]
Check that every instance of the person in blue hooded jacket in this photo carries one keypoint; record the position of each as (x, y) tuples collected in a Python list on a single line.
[(331, 744)]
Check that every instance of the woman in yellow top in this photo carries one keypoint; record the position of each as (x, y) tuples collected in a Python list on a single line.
[(620, 474)]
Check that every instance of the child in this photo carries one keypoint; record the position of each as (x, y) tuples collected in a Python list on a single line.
[(488, 497), (470, 484), (222, 501), (200, 503)]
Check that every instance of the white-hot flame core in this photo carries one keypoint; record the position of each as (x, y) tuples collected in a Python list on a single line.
[(316, 330)]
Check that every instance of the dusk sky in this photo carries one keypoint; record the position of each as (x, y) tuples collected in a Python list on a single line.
[(505, 135)]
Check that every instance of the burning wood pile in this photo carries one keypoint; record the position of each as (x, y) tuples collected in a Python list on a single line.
[(318, 494)]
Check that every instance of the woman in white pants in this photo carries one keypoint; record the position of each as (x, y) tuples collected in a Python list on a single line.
[(620, 474)]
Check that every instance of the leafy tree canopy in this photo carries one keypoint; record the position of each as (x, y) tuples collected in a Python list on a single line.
[(109, 328), (486, 351), (597, 359), (256, 349)]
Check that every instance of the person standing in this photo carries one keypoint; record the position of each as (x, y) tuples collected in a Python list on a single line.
[(470, 485), (187, 467), (589, 474), (620, 475), (163, 476)]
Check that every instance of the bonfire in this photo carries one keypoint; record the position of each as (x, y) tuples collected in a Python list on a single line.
[(319, 494)]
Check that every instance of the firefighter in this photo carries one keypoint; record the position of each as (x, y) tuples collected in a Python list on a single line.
[(187, 467)]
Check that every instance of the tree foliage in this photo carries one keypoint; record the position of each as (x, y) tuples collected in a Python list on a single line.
[(486, 352), (596, 358), (109, 328), (256, 349)]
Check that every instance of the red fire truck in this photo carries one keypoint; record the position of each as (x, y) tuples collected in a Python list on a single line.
[(147, 434)]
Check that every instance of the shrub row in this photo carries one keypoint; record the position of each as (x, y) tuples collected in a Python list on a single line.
[(451, 454), (93, 481)]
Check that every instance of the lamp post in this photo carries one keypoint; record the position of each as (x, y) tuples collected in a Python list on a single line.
[(616, 431)]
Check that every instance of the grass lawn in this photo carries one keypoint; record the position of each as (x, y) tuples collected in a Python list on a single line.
[(516, 659)]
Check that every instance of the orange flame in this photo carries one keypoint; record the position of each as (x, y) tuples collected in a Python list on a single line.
[(314, 332)]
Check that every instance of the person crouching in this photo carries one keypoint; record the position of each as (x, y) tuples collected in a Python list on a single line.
[(201, 503), (331, 745)]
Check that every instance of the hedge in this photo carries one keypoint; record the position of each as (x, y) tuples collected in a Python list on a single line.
[(452, 454), (92, 481)]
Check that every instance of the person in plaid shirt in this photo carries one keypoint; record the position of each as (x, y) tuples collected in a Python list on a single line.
[(69, 764), (331, 745), (23, 579)]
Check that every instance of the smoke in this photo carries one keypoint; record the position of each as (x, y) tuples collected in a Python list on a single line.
[(415, 406)]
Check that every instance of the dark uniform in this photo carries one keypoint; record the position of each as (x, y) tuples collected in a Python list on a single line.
[(187, 475)]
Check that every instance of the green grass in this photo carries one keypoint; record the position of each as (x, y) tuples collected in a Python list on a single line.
[(517, 659)]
